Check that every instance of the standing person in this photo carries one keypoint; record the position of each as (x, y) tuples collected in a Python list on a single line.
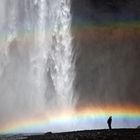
[(109, 122)]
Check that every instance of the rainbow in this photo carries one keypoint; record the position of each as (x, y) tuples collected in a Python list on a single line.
[(83, 118), (88, 25), (108, 24)]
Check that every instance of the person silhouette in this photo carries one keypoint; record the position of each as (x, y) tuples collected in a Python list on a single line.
[(109, 122)]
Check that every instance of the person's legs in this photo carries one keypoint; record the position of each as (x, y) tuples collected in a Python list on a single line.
[(109, 126)]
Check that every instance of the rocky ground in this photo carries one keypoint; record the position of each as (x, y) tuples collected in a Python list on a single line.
[(116, 134)]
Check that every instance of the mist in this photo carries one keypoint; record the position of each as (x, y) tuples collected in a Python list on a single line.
[(61, 57)]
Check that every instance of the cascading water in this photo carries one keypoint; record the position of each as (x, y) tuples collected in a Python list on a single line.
[(62, 68), (36, 58)]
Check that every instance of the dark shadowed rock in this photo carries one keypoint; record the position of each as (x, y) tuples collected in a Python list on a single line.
[(48, 133), (138, 127)]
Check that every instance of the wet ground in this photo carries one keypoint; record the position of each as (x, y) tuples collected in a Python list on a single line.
[(116, 134)]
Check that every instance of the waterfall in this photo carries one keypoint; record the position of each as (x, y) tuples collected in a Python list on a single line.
[(62, 68), (36, 58)]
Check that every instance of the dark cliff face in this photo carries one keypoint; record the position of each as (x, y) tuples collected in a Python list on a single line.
[(105, 10), (108, 64)]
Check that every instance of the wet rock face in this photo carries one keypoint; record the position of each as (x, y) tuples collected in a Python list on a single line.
[(107, 65), (104, 10)]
